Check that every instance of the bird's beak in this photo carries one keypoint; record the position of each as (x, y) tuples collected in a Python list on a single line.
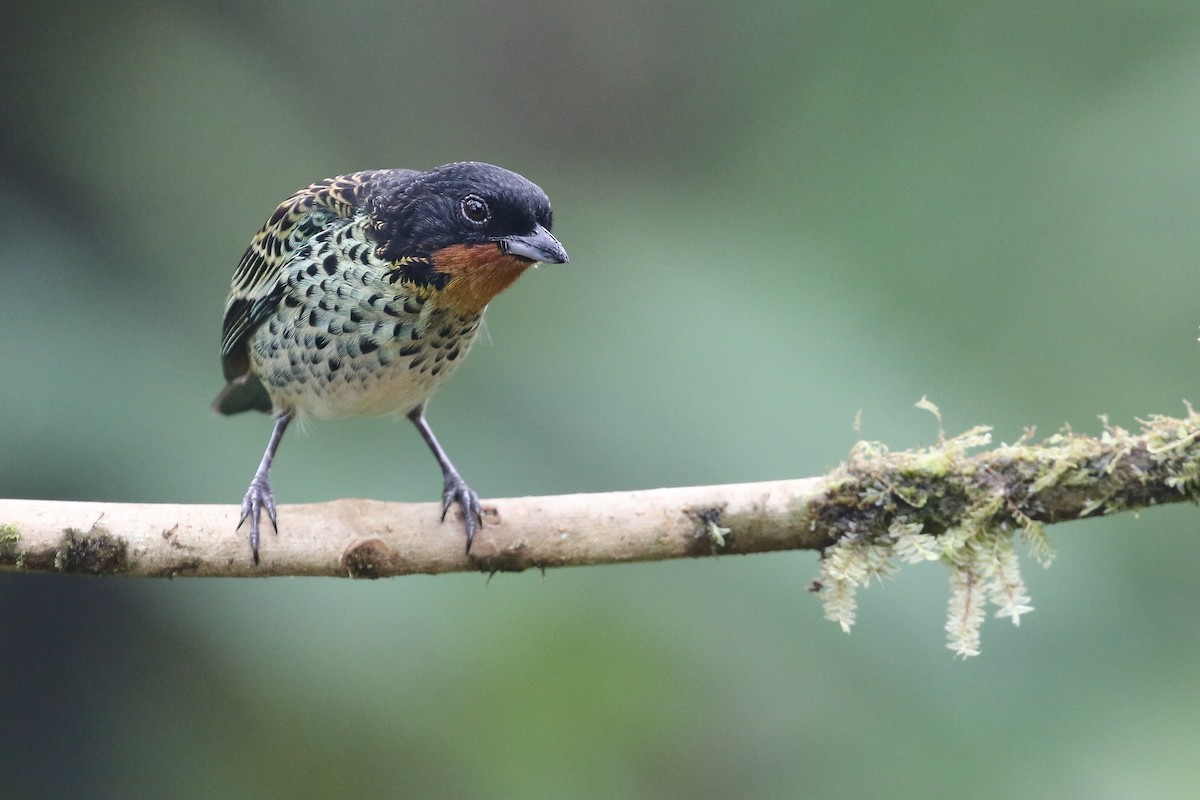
[(537, 246)]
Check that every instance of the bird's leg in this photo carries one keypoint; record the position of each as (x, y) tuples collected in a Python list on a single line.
[(454, 489), (259, 495)]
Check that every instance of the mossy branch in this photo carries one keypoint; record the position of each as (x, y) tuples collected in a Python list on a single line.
[(953, 502)]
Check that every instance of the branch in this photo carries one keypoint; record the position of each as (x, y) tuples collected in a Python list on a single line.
[(878, 499), (371, 539)]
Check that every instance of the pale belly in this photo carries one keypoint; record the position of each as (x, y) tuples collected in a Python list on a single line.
[(307, 371)]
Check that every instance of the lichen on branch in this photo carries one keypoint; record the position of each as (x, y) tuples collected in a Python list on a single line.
[(941, 503)]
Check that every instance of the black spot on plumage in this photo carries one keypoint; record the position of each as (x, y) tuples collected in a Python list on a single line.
[(311, 291), (420, 272), (445, 331), (312, 270), (321, 341), (416, 362), (373, 299), (356, 315), (368, 346), (290, 301), (453, 354), (313, 318), (390, 310), (334, 363), (331, 265), (412, 305), (410, 349), (398, 330)]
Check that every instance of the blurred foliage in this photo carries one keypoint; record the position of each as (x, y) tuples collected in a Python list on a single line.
[(779, 213)]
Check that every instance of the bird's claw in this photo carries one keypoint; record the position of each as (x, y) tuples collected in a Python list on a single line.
[(258, 497), (457, 491)]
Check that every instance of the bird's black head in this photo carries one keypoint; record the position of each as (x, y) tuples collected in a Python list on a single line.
[(466, 203)]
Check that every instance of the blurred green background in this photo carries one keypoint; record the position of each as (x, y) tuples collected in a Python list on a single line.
[(779, 213)]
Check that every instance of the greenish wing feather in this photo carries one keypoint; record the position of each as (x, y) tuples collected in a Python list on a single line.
[(257, 289)]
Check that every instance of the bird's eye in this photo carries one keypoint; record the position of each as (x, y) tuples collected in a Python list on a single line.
[(475, 209)]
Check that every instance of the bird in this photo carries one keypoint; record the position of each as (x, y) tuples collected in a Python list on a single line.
[(362, 294)]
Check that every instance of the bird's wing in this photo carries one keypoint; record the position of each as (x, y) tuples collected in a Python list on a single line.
[(257, 288)]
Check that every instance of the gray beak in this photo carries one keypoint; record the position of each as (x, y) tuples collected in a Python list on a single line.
[(537, 246)]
